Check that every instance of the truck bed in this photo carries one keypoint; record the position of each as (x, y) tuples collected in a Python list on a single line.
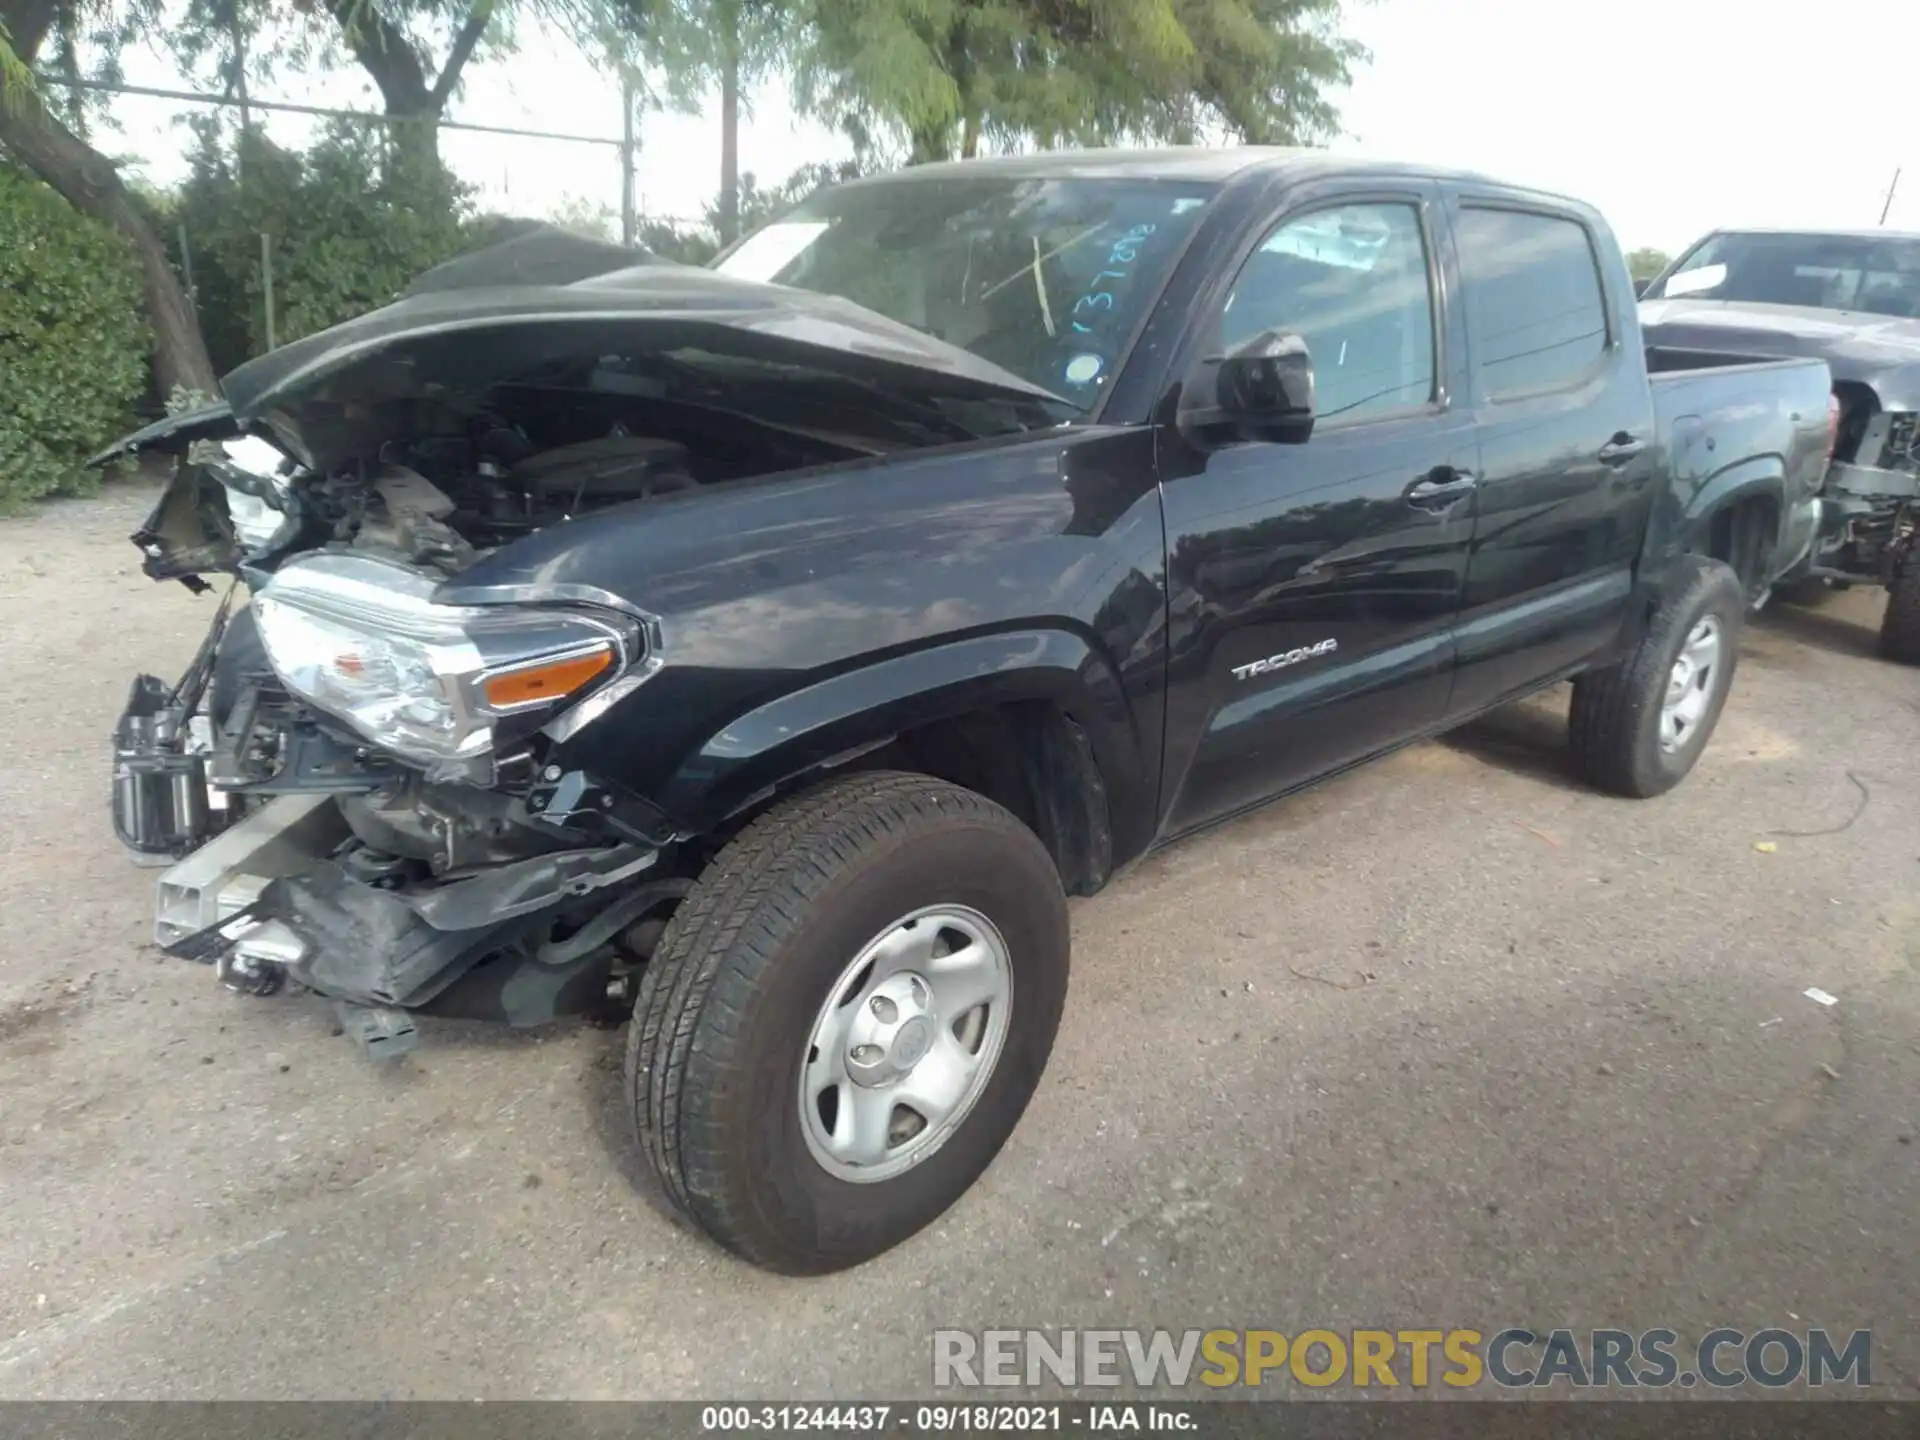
[(1666, 361)]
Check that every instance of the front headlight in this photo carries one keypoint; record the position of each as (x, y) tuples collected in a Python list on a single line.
[(363, 640)]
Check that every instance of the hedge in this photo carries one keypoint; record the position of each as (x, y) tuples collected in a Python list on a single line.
[(347, 228), (73, 340)]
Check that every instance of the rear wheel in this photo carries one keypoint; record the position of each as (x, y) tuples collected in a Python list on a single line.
[(1900, 626), (1638, 726), (846, 1018)]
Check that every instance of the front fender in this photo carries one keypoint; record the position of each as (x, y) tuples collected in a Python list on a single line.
[(835, 718)]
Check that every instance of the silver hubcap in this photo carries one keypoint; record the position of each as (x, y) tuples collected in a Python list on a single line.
[(1690, 686), (905, 1043)]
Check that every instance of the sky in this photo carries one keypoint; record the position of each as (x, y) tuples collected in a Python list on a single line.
[(1672, 116)]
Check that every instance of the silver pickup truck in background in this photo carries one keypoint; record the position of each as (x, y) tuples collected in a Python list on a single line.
[(1852, 299)]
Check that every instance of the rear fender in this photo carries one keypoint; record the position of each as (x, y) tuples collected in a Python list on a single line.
[(834, 721), (1682, 523), (1761, 477)]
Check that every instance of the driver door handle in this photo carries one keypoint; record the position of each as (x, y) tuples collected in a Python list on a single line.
[(1440, 488)]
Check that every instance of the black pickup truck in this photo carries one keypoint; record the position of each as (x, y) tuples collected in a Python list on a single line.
[(771, 649)]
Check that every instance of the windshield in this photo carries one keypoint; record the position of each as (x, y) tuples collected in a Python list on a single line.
[(1824, 272), (1047, 278)]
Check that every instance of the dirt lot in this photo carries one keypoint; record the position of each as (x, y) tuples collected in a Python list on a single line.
[(1448, 1042)]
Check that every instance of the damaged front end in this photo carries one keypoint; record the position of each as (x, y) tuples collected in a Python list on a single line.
[(357, 780), (1870, 504), (368, 791)]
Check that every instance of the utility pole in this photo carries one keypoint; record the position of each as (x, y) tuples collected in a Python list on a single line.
[(266, 285), (629, 228), (1887, 208), (238, 34), (729, 20)]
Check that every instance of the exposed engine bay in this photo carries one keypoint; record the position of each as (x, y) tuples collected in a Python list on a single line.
[(444, 501), (454, 488)]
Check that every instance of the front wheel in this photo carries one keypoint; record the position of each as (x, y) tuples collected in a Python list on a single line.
[(1638, 726), (847, 1017)]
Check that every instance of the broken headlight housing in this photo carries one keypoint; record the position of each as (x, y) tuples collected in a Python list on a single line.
[(250, 470), (363, 641)]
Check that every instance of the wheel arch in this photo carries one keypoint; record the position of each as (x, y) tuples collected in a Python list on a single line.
[(1736, 516), (1033, 718)]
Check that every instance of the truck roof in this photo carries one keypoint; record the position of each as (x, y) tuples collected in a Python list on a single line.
[(1175, 162)]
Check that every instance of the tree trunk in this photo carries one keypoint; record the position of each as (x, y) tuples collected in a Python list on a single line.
[(930, 142), (28, 22), (413, 143), (730, 137), (414, 105), (960, 67), (88, 181)]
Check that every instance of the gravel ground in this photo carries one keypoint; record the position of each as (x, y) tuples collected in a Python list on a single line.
[(1449, 1041)]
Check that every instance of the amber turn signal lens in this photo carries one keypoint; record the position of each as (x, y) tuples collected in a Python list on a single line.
[(544, 682)]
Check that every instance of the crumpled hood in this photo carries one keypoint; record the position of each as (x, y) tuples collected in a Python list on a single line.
[(653, 307), (174, 432), (1881, 351), (455, 335)]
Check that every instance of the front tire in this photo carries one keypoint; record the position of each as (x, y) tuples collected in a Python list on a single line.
[(1638, 727), (811, 968), (1900, 626)]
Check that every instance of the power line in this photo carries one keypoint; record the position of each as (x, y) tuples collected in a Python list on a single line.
[(195, 97)]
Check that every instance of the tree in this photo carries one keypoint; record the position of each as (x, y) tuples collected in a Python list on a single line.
[(417, 51), (38, 139), (395, 43), (756, 205), (1645, 263), (708, 49), (944, 76), (590, 219), (690, 245), (347, 231)]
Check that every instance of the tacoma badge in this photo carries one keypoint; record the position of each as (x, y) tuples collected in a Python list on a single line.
[(1284, 659)]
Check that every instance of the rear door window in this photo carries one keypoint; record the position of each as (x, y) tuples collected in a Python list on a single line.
[(1536, 309)]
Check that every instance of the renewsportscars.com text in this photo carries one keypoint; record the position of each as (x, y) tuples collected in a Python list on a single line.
[(1380, 1360)]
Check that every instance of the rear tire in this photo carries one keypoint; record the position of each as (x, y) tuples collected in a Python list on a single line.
[(1638, 727), (727, 1031), (1900, 626)]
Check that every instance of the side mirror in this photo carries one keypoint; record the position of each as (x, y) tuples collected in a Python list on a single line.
[(1261, 389), (1640, 288)]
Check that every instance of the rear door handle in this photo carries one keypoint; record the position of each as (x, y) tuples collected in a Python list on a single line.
[(1620, 449), (1440, 488)]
